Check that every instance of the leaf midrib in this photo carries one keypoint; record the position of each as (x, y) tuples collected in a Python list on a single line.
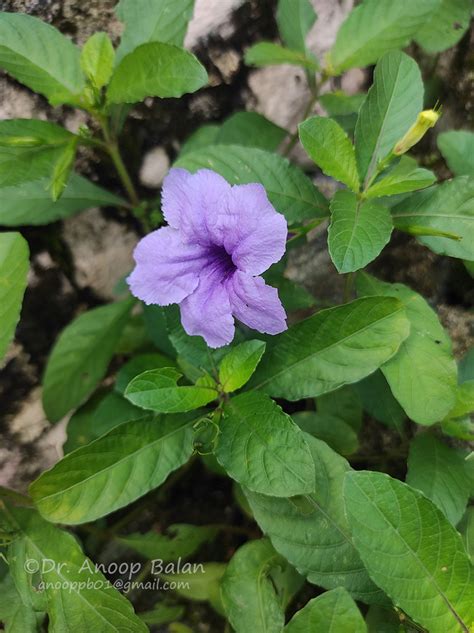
[(117, 463), (336, 343)]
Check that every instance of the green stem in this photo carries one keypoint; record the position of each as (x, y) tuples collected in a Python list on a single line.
[(113, 150), (315, 88)]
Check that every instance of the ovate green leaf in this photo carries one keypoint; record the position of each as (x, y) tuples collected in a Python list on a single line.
[(404, 177), (86, 600), (114, 470), (97, 59), (182, 541), (288, 188), (411, 551), (157, 390), (375, 27), (423, 374), (448, 208), (379, 401), (332, 611), (446, 25), (262, 448), (252, 129), (80, 357), (334, 347), (153, 21), (358, 231), (40, 57), (239, 364), (439, 472), (29, 149), (295, 19), (270, 54), (248, 595), (330, 148), (312, 532), (329, 428), (30, 202), (102, 412), (390, 108), (14, 264), (457, 147), (155, 70)]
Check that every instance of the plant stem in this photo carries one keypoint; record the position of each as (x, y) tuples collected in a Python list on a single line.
[(113, 150)]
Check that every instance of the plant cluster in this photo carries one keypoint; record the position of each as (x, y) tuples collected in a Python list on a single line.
[(208, 368)]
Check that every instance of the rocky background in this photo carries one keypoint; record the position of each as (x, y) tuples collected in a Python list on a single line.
[(76, 263)]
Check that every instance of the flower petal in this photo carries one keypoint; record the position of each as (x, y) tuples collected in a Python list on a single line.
[(194, 202), (256, 304), (255, 234), (207, 313), (174, 195), (167, 269)]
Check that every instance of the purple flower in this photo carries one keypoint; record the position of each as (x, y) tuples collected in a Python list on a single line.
[(219, 239)]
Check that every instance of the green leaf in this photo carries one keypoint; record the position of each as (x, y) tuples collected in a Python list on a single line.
[(438, 471), (30, 202), (263, 449), (330, 429), (202, 584), (345, 404), (457, 148), (156, 328), (446, 26), (252, 129), (98, 416), (248, 594), (115, 469), (466, 528), (157, 389), (205, 135), (381, 620), (40, 57), (288, 188), (97, 59), (343, 108), (339, 103), (329, 146), (86, 600), (14, 614), (14, 266), (80, 357), (295, 19), (155, 70), (162, 613), (375, 27), (139, 364), (424, 359), (62, 169), (379, 402), (239, 364), (358, 231), (270, 54), (183, 542), (404, 177), (466, 366), (29, 149), (448, 207), (390, 108), (312, 532), (411, 551), (152, 21), (332, 611), (332, 348)]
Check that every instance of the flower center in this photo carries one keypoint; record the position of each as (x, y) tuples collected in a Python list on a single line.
[(222, 261)]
